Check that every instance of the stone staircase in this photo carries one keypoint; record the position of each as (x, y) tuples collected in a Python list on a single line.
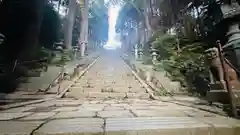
[(156, 79), (95, 113), (105, 81), (107, 90)]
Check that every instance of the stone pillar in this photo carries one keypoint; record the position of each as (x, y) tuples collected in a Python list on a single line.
[(136, 51), (82, 48), (233, 33), (63, 71), (140, 54), (234, 42), (154, 56), (75, 52)]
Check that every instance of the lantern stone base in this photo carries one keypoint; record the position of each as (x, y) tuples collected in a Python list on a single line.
[(222, 96)]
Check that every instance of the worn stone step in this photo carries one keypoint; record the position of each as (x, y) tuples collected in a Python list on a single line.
[(216, 86), (20, 127), (121, 89), (107, 95), (71, 126), (222, 96), (76, 94), (101, 95), (80, 89), (126, 126), (27, 97), (135, 90), (170, 126), (139, 95)]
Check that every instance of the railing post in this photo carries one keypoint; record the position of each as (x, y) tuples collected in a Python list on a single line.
[(228, 86)]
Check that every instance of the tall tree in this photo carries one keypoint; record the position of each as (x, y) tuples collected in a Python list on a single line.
[(69, 24), (131, 16), (84, 26), (98, 22)]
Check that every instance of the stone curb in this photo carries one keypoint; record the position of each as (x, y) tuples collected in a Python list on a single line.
[(53, 82), (140, 126), (75, 79), (149, 83), (148, 88), (5, 107), (150, 77)]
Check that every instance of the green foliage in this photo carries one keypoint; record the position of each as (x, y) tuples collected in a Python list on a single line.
[(38, 53), (98, 23), (184, 65), (162, 92), (147, 60), (166, 45), (131, 9), (67, 56)]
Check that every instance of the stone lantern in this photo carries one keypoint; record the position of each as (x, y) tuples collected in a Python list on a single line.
[(222, 21), (140, 54), (154, 53), (136, 51)]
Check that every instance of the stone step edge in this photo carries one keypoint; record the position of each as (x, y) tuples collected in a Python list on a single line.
[(15, 105), (75, 79), (55, 82), (152, 85), (148, 87), (174, 123), (154, 125), (126, 95), (56, 85)]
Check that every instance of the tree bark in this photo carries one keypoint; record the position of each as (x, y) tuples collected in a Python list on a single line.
[(138, 36), (86, 24), (84, 28), (147, 19), (69, 24), (82, 32)]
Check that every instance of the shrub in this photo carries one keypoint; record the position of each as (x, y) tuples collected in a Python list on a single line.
[(184, 65)]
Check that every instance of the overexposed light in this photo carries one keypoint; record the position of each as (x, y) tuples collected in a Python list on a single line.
[(106, 1), (109, 47), (113, 14), (62, 9)]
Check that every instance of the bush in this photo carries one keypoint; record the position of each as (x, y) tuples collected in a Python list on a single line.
[(147, 60), (67, 56), (184, 65)]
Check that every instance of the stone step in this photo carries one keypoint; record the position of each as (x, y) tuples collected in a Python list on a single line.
[(27, 97), (140, 95), (4, 102), (78, 94), (108, 88), (222, 96), (125, 126), (217, 86), (170, 126)]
